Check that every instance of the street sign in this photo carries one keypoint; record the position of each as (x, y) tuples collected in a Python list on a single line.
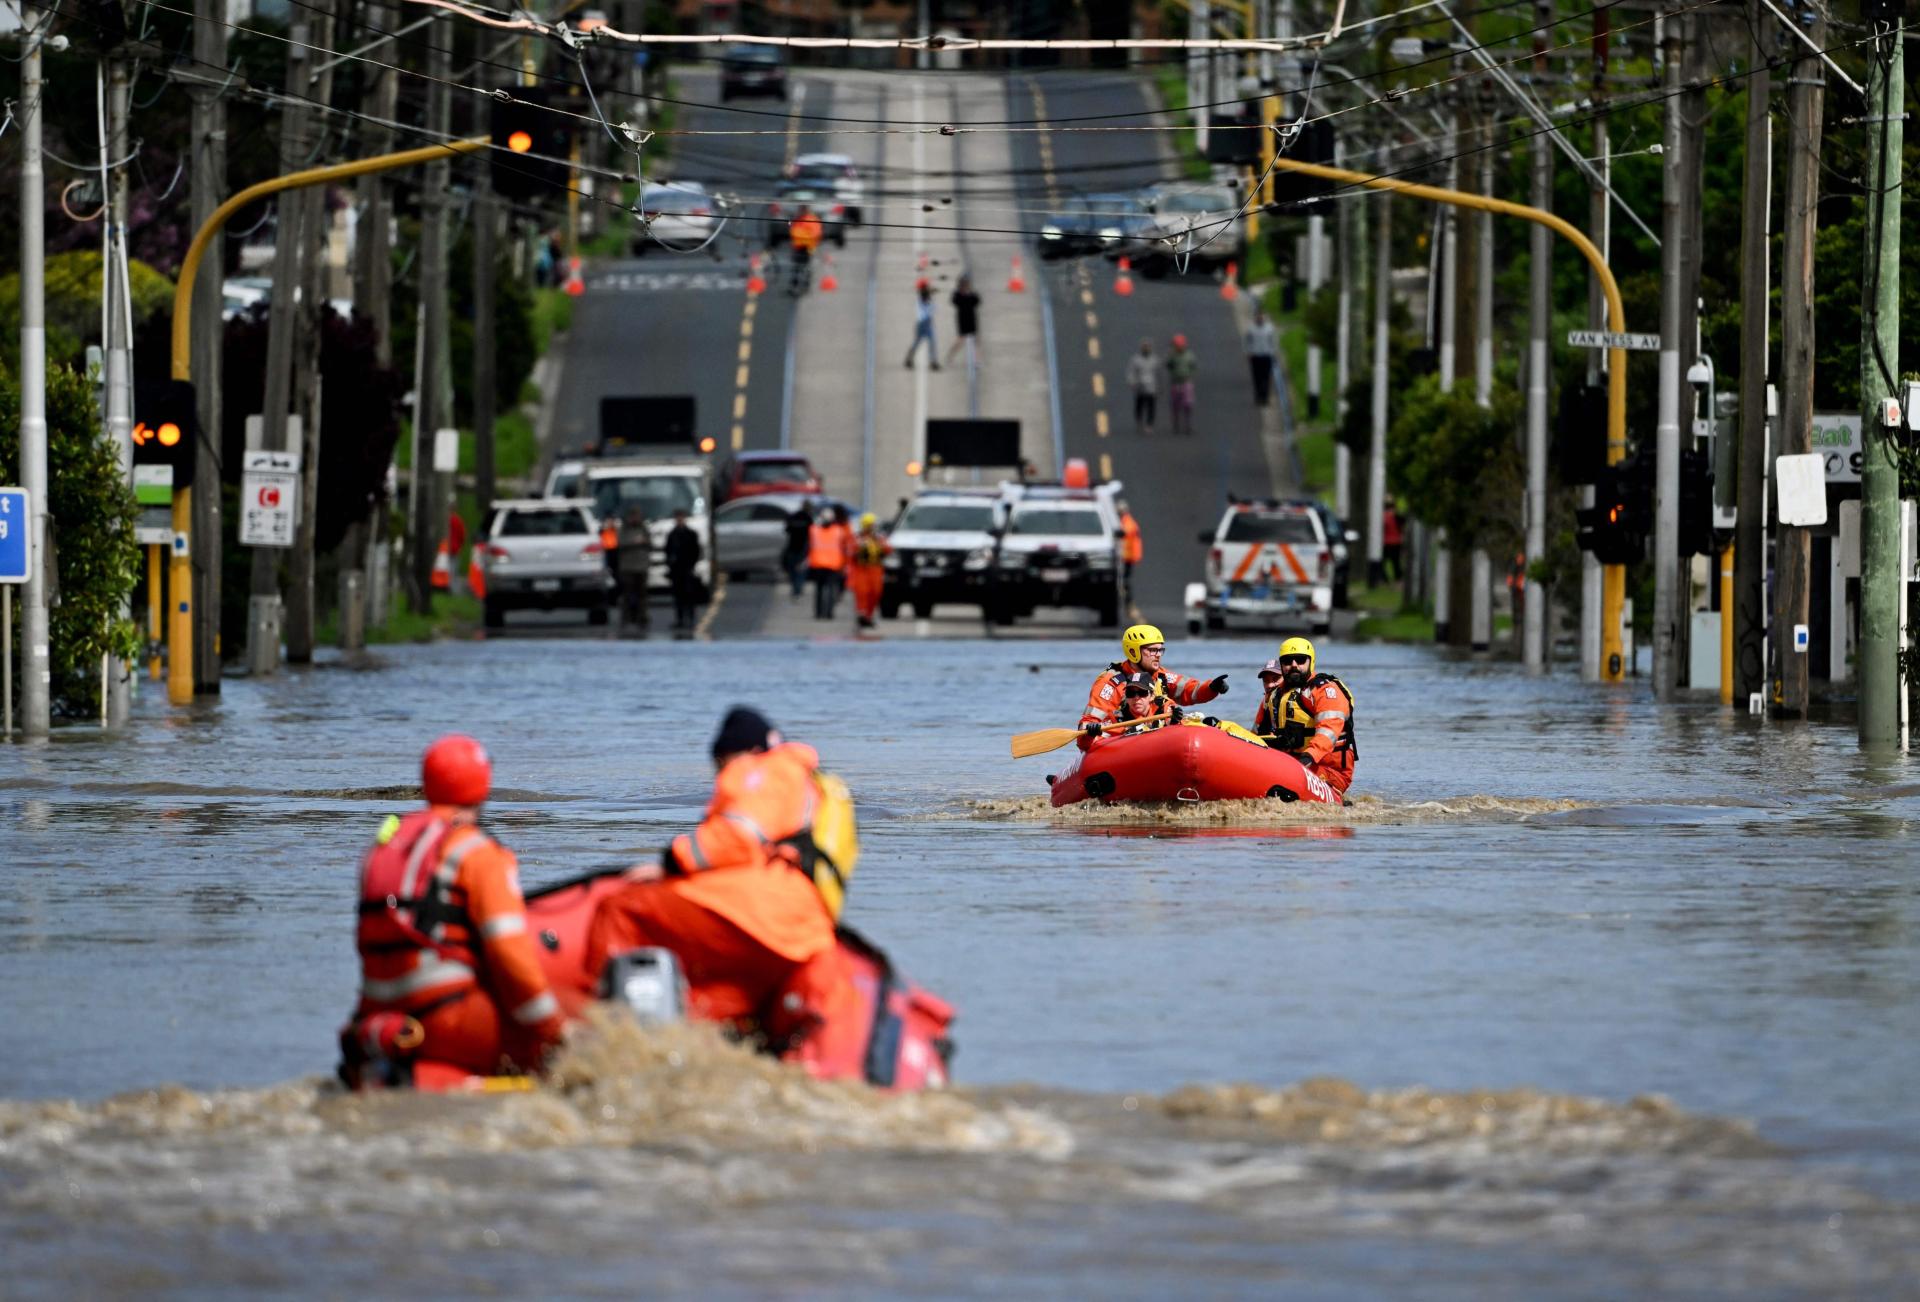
[(1613, 339), (269, 498), (153, 490), (1837, 439), (14, 527)]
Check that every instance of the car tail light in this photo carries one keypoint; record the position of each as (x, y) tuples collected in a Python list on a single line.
[(839, 210), (1213, 560), (592, 549), (1326, 565), (700, 212), (493, 553), (773, 210)]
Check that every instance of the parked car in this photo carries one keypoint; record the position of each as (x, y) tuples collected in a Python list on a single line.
[(1060, 547), (1200, 224), (1268, 563), (1092, 223), (943, 542), (747, 473), (1341, 539), (658, 489), (753, 70), (543, 554), (750, 533), (789, 196), (679, 216), (835, 173)]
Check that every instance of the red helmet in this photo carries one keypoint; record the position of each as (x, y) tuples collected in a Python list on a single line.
[(456, 771)]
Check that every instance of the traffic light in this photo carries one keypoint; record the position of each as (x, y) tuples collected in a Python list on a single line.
[(1696, 504), (1580, 433), (1614, 528), (530, 145), (166, 427)]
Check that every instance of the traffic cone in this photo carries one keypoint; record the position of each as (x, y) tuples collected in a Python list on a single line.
[(828, 281), (756, 283), (1230, 287), (476, 577), (442, 569), (1015, 284), (1123, 281), (923, 263), (575, 286)]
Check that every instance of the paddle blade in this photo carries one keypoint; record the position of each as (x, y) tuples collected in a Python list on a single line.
[(1039, 743)]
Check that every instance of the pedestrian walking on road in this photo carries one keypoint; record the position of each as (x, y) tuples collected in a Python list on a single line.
[(1262, 343), (923, 328), (1143, 374), (1131, 550), (635, 564), (868, 575), (793, 556), (828, 555), (683, 554), (966, 321), (1181, 365), (803, 237)]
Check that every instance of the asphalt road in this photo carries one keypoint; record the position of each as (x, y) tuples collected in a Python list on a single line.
[(1176, 487)]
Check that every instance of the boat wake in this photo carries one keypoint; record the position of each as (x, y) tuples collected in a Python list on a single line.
[(1362, 811)]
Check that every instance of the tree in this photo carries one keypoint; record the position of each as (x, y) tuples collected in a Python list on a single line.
[(1455, 463)]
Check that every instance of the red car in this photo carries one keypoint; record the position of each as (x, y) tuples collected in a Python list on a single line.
[(748, 473)]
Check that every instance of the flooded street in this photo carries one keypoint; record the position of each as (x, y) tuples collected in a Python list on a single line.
[(1583, 996)]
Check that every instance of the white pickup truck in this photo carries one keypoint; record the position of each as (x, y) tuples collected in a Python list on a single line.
[(1269, 564)]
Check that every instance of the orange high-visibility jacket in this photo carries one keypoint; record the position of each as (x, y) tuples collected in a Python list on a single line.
[(1103, 701), (830, 547), (805, 233), (1130, 549)]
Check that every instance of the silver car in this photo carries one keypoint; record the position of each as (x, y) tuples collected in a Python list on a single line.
[(750, 533), (1197, 224), (543, 554)]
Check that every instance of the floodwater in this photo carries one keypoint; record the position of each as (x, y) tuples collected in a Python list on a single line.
[(1583, 997)]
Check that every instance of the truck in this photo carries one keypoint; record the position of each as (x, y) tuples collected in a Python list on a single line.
[(1059, 547), (1269, 563)]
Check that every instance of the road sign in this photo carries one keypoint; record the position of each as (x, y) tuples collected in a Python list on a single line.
[(14, 526), (1613, 339), (1837, 438), (153, 490), (269, 498)]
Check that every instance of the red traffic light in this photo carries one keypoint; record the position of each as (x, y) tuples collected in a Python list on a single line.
[(168, 434)]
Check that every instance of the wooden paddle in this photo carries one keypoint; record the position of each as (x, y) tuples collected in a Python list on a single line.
[(1046, 739)]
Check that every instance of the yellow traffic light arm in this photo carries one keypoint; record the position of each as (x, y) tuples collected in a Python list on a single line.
[(1614, 585), (190, 265)]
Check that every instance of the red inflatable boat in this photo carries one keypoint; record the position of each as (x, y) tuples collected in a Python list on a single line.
[(1188, 761), (899, 1040)]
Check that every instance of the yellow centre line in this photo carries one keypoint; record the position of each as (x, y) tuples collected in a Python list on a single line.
[(1093, 321), (740, 378), (1099, 385), (1093, 347), (739, 406), (746, 349), (746, 328), (1106, 466), (739, 437), (1100, 422)]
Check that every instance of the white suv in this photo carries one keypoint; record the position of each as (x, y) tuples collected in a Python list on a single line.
[(1060, 547)]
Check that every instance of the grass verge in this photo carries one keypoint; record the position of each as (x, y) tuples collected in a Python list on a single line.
[(450, 616), (1172, 85), (1384, 616)]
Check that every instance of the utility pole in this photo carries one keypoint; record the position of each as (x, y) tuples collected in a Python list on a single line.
[(1377, 443), (1806, 105), (118, 341), (264, 609), (1883, 588), (1599, 230), (1666, 480), (1347, 249), (1539, 322), (1481, 623), (209, 190), (431, 412), (1750, 497), (485, 215), (1449, 324), (36, 680), (310, 325), (373, 289)]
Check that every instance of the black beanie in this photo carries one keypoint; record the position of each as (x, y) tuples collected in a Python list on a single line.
[(742, 730)]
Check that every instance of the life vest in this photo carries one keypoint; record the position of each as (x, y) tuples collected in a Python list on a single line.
[(869, 549), (830, 846), (1292, 725), (407, 908)]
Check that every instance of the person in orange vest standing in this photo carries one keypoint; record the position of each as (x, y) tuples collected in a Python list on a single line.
[(803, 233), (447, 967), (753, 933), (829, 552), (1130, 547), (868, 574)]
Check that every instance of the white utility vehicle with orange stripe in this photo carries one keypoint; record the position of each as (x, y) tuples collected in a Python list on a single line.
[(1268, 563)]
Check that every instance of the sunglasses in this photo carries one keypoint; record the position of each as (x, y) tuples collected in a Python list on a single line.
[(1133, 692), (1295, 660)]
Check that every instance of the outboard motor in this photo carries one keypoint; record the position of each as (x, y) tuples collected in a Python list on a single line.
[(647, 982)]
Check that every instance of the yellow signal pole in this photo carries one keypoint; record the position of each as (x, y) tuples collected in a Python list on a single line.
[(1613, 587), (180, 612)]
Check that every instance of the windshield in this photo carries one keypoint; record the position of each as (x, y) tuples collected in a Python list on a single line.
[(659, 496), (947, 517), (1246, 526), (1058, 520), (1112, 204), (753, 54), (1199, 201), (541, 524), (821, 173), (773, 472), (675, 201), (566, 484)]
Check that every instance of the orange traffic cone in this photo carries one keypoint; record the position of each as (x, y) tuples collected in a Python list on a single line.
[(575, 285), (1230, 287), (828, 281), (476, 577), (1015, 283), (756, 283), (1123, 281), (442, 569)]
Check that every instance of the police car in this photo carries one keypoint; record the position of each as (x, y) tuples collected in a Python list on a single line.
[(1268, 563), (1060, 547)]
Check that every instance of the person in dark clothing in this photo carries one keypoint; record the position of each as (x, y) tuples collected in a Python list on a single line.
[(635, 560), (683, 553), (793, 556), (966, 320)]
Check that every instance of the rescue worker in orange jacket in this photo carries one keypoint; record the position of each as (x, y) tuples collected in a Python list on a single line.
[(1307, 714), (752, 932), (1142, 646), (867, 574), (1131, 550), (829, 552), (1141, 697), (803, 233), (447, 969)]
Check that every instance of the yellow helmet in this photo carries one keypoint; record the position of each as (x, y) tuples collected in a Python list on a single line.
[(1297, 646), (1140, 635), (866, 520)]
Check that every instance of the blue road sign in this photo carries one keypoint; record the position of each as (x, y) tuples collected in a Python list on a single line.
[(14, 529)]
